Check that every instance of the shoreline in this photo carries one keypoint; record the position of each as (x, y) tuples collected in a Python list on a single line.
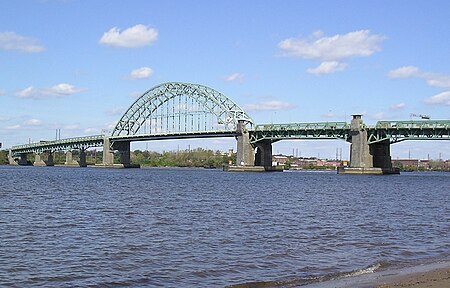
[(432, 275)]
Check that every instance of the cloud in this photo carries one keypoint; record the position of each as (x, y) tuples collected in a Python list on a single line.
[(57, 91), (141, 73), (14, 127), (10, 41), (398, 106), (133, 37), (338, 47), (2, 93), (268, 106), (332, 50), (327, 67), (432, 79), (235, 77), (33, 122), (438, 81), (439, 99), (404, 72)]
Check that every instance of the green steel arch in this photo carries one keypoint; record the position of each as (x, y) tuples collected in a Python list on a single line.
[(176, 107)]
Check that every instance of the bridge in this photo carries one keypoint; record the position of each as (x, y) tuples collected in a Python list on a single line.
[(181, 111)]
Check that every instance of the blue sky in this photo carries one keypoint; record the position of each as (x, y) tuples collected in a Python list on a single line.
[(78, 65)]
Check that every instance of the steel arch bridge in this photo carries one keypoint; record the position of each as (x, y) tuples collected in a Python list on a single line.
[(177, 109)]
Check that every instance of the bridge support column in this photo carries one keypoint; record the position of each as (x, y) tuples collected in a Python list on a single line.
[(108, 155), (23, 161), (245, 152), (50, 161), (38, 160), (263, 155), (11, 159), (69, 159), (359, 150), (381, 153), (82, 162), (124, 151)]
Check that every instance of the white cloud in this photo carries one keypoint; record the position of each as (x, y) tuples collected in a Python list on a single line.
[(133, 37), (2, 93), (12, 41), (432, 79), (235, 77), (398, 106), (59, 90), (14, 127), (438, 81), (327, 67), (4, 119), (268, 106), (141, 73), (404, 72), (439, 99), (33, 122), (338, 47)]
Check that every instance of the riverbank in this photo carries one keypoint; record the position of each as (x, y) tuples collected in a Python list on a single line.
[(432, 275), (437, 278)]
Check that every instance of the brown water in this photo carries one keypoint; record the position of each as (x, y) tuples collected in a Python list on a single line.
[(66, 227)]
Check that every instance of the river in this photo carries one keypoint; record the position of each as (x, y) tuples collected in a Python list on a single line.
[(78, 227)]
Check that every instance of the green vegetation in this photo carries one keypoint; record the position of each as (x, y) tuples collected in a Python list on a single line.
[(432, 165), (3, 157), (193, 158)]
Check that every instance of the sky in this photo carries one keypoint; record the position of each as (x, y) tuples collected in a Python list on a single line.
[(76, 66)]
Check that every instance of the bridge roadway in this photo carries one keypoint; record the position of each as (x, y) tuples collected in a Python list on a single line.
[(260, 136), (176, 110)]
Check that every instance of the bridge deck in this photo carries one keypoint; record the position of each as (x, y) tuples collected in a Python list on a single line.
[(393, 131)]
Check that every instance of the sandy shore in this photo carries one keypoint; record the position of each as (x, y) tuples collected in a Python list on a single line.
[(433, 275), (439, 278)]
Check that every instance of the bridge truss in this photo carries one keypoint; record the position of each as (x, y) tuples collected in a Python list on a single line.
[(319, 130), (80, 143), (180, 109), (396, 131)]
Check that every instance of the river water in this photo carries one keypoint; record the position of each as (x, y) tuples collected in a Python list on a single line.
[(78, 227)]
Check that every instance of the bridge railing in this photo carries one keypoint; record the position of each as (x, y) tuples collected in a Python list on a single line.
[(303, 126), (424, 124), (57, 143)]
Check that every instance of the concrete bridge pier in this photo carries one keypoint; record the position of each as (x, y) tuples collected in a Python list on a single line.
[(359, 150), (11, 159), (38, 161), (82, 162), (108, 155), (381, 153), (69, 159), (263, 155), (245, 153), (124, 152), (364, 158), (50, 159)]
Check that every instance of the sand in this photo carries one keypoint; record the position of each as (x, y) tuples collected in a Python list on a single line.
[(431, 275), (439, 278)]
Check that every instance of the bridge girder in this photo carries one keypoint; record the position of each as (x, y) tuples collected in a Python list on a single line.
[(175, 108)]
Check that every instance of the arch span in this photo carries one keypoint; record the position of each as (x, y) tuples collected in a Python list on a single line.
[(176, 107)]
